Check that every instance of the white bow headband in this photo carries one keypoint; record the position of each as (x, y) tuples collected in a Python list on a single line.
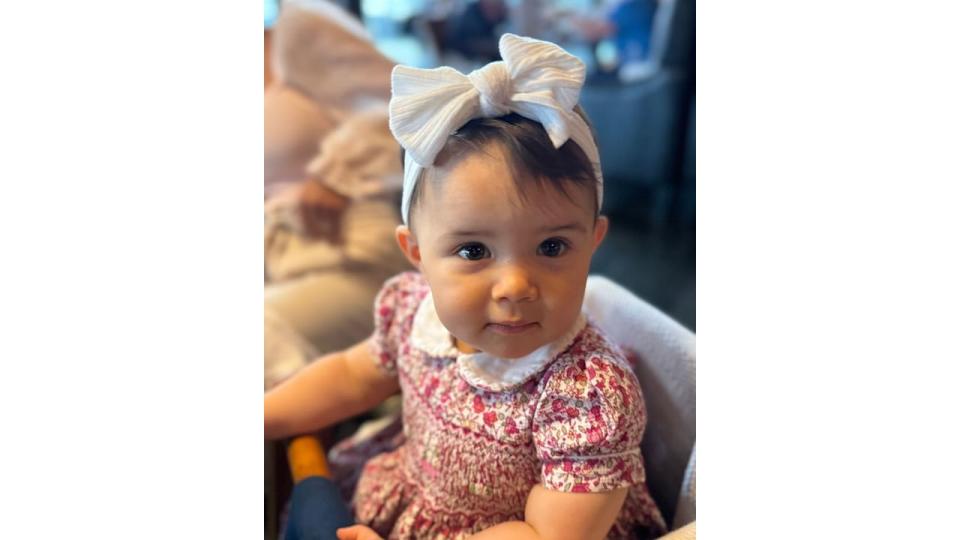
[(536, 79)]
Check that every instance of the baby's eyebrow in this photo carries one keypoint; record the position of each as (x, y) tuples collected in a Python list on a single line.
[(471, 232), (569, 226), (541, 230)]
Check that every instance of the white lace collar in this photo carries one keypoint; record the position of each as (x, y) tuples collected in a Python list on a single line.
[(482, 370)]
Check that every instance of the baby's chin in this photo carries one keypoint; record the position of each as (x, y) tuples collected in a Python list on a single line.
[(510, 351)]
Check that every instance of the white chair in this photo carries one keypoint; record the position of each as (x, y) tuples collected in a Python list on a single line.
[(665, 354)]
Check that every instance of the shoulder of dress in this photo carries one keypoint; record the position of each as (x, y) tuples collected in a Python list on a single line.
[(591, 368), (407, 280), (405, 288)]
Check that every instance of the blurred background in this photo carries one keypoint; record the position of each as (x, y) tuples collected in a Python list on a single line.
[(640, 97)]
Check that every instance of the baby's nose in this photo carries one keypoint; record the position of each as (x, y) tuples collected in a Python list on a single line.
[(515, 284)]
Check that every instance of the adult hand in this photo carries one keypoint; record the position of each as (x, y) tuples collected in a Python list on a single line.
[(321, 209), (357, 532)]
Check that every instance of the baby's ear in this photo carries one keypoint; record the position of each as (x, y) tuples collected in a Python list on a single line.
[(600, 230), (408, 244)]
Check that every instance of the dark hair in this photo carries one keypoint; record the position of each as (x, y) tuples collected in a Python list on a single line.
[(529, 153)]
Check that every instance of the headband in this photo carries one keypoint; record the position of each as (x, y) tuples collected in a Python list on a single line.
[(536, 79)]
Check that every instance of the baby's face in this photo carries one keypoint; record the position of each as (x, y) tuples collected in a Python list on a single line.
[(507, 275)]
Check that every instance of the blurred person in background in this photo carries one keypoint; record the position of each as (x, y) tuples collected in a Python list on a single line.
[(628, 24), (474, 32), (329, 245), (331, 177)]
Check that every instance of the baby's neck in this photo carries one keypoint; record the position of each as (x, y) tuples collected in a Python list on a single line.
[(464, 347)]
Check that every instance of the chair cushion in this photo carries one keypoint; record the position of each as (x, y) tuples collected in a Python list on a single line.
[(664, 356)]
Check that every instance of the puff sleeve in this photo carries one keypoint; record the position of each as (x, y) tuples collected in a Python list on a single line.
[(588, 426), (393, 312)]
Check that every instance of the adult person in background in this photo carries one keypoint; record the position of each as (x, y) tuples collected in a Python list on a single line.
[(324, 67), (331, 176), (628, 24), (329, 244), (632, 22), (474, 32)]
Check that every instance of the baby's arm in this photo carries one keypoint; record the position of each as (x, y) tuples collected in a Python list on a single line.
[(332, 388), (558, 515), (550, 515)]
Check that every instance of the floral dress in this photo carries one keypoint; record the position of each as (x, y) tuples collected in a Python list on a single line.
[(478, 433)]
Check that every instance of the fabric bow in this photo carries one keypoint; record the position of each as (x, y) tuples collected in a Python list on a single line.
[(536, 79)]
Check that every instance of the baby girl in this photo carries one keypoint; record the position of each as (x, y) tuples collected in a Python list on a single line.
[(520, 419)]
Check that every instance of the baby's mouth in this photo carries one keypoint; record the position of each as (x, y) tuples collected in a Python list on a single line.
[(512, 327)]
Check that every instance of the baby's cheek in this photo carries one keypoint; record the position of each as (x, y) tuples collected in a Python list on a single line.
[(566, 306), (456, 314), (471, 297)]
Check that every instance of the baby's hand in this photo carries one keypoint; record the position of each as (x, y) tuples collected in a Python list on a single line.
[(357, 532)]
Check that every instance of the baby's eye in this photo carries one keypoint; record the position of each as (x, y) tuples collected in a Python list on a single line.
[(473, 252), (552, 247)]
